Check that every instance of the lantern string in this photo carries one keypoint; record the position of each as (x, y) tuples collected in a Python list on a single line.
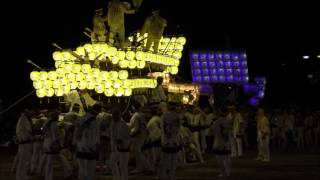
[(17, 102)]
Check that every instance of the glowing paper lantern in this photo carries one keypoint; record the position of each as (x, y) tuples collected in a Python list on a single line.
[(34, 75), (132, 64), (130, 55), (141, 64), (124, 64), (41, 93), (43, 75), (109, 92), (52, 75), (113, 75), (123, 74)]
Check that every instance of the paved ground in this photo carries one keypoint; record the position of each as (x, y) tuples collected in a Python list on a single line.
[(289, 165)]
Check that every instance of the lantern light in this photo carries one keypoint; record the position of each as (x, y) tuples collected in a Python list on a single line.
[(123, 63), (34, 75), (113, 75), (41, 93), (50, 92), (109, 92), (130, 55), (123, 74), (108, 83), (141, 64), (132, 64), (43, 75)]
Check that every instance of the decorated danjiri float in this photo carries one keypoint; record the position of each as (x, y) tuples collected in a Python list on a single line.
[(103, 70)]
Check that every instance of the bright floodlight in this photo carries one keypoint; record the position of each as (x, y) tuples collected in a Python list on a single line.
[(306, 57)]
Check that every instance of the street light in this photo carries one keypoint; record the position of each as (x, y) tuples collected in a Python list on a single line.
[(318, 56), (306, 57)]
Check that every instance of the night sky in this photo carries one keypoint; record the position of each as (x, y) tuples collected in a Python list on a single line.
[(275, 36)]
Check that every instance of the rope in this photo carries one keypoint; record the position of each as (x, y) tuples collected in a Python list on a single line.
[(17, 102)]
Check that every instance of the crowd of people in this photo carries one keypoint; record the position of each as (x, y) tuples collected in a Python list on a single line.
[(155, 133), (157, 137)]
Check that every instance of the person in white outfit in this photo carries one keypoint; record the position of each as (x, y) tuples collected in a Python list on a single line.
[(119, 137), (87, 141), (25, 138), (222, 130), (138, 133), (170, 142), (37, 153), (52, 146), (263, 135), (154, 137), (236, 145)]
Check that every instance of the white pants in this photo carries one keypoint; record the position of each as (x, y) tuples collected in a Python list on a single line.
[(236, 147), (24, 161), (49, 158), (119, 165), (87, 169), (224, 162), (142, 162), (263, 148), (168, 166), (36, 155)]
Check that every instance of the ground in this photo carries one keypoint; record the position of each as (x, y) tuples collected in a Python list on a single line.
[(291, 165)]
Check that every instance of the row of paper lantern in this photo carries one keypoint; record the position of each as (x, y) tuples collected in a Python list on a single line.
[(49, 88), (84, 74), (109, 92), (99, 51), (164, 40)]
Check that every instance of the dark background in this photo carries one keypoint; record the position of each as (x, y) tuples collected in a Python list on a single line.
[(275, 37)]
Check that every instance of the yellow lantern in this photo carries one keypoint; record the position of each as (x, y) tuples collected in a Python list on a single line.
[(58, 92), (50, 92), (140, 55), (52, 75), (43, 75), (63, 80), (141, 64), (86, 68), (132, 64), (123, 74), (176, 62), (98, 79), (91, 85), (92, 56), (82, 85), (104, 75), (76, 68), (113, 75), (80, 51), (70, 76), (41, 93), (117, 84), (79, 76), (95, 72), (123, 63), (126, 83), (112, 51), (174, 70), (38, 84), (99, 88), (34, 75), (128, 92), (109, 92), (177, 55), (56, 84), (130, 55), (181, 40), (108, 83), (171, 47), (179, 47), (57, 56), (121, 54), (58, 64), (60, 72), (114, 60), (166, 40), (47, 84), (73, 85), (119, 92)]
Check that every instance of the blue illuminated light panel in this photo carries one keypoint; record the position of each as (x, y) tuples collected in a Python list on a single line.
[(219, 67)]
